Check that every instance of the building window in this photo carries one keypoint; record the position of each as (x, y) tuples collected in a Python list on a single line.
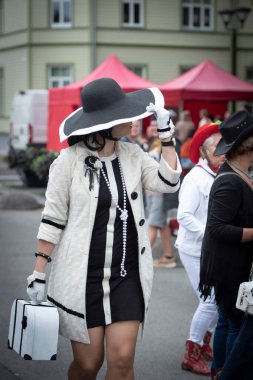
[(1, 92), (249, 74), (61, 13), (59, 76), (132, 13), (138, 69), (184, 69), (249, 78), (197, 15)]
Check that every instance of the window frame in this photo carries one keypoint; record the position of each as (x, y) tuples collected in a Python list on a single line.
[(61, 24), (249, 70), (191, 4), (131, 23), (249, 78), (185, 68), (60, 79), (136, 67)]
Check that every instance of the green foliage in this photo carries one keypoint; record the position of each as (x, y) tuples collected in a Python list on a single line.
[(37, 160)]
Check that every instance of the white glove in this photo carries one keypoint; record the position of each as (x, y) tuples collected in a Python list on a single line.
[(36, 287), (166, 128)]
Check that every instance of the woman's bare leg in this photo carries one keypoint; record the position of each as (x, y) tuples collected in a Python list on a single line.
[(88, 358), (166, 243), (121, 340), (152, 234)]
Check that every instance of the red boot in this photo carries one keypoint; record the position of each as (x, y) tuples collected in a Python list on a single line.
[(206, 351), (193, 361)]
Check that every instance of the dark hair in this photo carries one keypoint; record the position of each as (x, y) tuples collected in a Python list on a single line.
[(244, 147), (91, 140)]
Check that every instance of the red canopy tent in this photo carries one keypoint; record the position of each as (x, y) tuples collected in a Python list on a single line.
[(64, 100), (205, 86)]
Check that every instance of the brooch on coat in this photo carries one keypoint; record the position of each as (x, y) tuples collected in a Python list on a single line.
[(92, 165)]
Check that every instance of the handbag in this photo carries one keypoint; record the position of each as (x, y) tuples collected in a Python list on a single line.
[(244, 300)]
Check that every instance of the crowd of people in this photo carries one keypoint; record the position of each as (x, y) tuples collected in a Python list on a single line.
[(158, 205), (109, 197)]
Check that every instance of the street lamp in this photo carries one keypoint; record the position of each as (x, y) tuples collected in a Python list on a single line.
[(233, 20)]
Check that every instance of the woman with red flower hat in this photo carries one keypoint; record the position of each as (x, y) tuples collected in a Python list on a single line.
[(192, 214)]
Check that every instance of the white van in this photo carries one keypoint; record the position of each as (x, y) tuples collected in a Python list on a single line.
[(28, 121)]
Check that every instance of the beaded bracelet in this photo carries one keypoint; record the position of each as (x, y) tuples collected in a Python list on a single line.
[(44, 255)]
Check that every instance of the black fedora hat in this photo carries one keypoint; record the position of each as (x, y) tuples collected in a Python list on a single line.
[(235, 129), (105, 105)]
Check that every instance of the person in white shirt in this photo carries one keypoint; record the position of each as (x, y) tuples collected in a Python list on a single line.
[(204, 117), (192, 215)]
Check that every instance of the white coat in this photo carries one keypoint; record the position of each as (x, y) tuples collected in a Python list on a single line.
[(192, 208), (70, 210)]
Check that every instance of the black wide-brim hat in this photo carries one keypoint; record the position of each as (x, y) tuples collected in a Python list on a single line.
[(105, 105), (234, 130)]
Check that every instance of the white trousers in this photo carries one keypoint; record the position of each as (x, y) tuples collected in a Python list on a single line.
[(205, 316)]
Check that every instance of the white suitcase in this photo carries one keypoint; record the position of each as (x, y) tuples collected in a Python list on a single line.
[(33, 330)]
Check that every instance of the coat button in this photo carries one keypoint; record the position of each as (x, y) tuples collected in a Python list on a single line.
[(134, 195), (141, 222), (143, 250)]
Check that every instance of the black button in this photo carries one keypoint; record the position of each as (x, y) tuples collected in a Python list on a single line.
[(141, 222), (134, 195), (143, 250)]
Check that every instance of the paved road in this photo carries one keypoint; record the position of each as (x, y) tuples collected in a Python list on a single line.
[(158, 355)]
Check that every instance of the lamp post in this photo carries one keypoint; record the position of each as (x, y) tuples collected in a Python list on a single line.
[(234, 19)]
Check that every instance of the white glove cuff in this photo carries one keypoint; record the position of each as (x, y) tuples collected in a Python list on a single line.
[(39, 275), (36, 276), (168, 132), (165, 135)]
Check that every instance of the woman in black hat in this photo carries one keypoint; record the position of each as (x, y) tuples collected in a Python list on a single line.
[(102, 271), (227, 249)]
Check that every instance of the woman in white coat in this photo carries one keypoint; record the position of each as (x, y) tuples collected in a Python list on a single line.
[(192, 215), (93, 220)]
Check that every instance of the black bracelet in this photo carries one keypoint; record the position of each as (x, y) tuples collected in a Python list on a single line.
[(169, 143), (44, 255), (164, 129)]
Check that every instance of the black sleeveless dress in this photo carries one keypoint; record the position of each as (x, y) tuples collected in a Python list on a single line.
[(109, 297)]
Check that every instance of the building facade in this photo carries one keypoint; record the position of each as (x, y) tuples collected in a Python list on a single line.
[(50, 43)]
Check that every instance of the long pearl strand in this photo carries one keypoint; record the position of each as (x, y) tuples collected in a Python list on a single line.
[(123, 216)]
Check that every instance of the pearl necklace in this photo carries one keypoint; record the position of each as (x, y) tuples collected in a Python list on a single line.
[(123, 216), (240, 170)]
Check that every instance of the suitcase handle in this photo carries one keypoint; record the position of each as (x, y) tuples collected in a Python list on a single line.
[(24, 322)]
